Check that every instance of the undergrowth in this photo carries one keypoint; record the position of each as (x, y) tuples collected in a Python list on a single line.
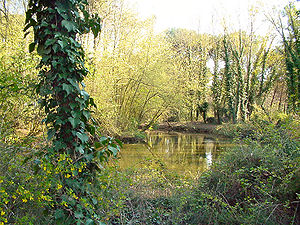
[(257, 182)]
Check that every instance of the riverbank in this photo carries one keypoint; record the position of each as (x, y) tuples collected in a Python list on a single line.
[(189, 127), (254, 183), (182, 127)]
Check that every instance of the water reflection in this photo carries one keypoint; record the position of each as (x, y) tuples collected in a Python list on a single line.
[(180, 152)]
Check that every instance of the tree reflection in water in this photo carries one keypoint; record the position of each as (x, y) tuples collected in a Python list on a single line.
[(180, 152)]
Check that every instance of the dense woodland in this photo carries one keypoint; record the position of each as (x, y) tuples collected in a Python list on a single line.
[(74, 75)]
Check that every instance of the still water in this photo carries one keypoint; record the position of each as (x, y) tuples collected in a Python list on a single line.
[(180, 152)]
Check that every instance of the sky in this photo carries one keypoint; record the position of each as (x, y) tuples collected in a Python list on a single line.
[(198, 14)]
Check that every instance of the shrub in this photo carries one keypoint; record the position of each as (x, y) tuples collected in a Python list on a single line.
[(254, 183)]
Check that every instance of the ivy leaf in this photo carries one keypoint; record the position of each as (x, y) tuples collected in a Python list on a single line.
[(87, 114), (59, 213), (74, 121), (69, 25), (62, 44), (82, 136), (80, 149), (85, 95), (50, 134), (89, 157), (104, 140), (78, 214), (113, 150), (89, 222), (31, 47), (73, 105), (119, 142), (50, 42), (68, 88), (74, 83)]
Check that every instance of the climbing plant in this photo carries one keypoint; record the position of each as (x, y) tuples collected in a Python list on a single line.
[(72, 160)]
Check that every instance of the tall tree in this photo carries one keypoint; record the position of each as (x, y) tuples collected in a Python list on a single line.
[(72, 159), (290, 38), (190, 55)]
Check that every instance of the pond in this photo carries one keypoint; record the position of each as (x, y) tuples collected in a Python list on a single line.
[(180, 152)]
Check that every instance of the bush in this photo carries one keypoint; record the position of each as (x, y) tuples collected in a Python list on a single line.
[(254, 183), (23, 193)]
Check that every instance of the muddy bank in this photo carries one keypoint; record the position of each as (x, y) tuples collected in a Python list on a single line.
[(131, 139), (183, 127), (188, 127)]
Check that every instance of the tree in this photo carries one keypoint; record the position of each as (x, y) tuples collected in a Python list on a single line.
[(190, 53), (290, 38), (131, 81), (72, 161)]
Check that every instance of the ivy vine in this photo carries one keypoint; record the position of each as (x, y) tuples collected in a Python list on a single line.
[(73, 160)]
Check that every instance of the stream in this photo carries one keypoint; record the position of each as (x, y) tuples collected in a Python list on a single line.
[(180, 152)]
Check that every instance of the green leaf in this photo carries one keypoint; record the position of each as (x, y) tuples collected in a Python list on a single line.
[(113, 150), (119, 142), (85, 95), (31, 47), (97, 144), (50, 42), (80, 149), (89, 222), (78, 214), (94, 201), (73, 105), (82, 136), (59, 213), (69, 25), (74, 121), (55, 48), (87, 114), (103, 139), (62, 44), (73, 82), (50, 134), (89, 157), (68, 88)]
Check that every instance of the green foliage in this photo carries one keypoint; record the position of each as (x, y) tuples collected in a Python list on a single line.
[(290, 39), (254, 183), (18, 108), (190, 55), (24, 194), (138, 77), (130, 81), (29, 189), (72, 160)]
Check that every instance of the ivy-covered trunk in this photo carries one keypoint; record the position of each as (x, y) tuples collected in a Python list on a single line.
[(228, 80), (72, 160)]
